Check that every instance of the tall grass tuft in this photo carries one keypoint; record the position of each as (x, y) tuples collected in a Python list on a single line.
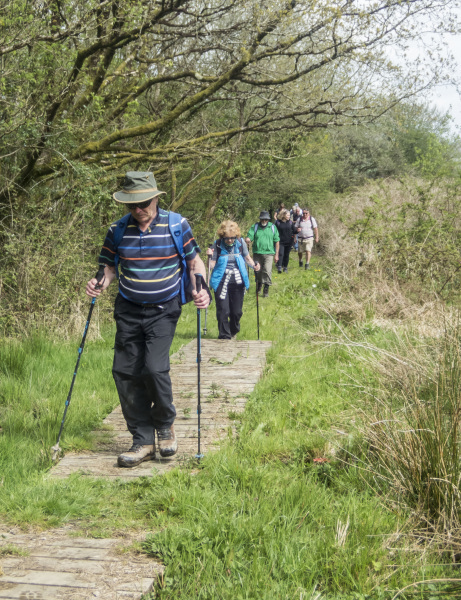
[(415, 447), (410, 428)]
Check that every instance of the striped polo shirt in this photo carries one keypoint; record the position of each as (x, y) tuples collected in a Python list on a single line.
[(150, 266)]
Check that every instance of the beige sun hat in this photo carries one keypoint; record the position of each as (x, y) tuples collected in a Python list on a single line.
[(138, 186)]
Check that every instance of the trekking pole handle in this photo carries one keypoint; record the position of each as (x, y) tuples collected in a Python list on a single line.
[(198, 282), (100, 276)]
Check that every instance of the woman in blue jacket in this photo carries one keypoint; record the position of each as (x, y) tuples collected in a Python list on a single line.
[(229, 278)]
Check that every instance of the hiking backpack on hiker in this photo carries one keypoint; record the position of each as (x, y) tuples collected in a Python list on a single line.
[(272, 225), (298, 222)]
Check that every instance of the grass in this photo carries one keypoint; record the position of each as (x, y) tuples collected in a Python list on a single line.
[(280, 511)]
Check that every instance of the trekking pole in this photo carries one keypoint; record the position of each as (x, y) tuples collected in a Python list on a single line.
[(56, 449), (208, 282), (198, 287), (257, 300)]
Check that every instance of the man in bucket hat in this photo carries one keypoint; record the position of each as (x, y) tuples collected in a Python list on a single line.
[(147, 308), (265, 240)]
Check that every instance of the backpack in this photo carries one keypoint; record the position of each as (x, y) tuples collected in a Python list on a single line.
[(175, 229), (298, 220), (272, 225)]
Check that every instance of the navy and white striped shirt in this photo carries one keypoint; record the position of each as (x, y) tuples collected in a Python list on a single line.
[(150, 267)]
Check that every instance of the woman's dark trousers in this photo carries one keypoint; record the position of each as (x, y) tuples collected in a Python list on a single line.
[(229, 310), (142, 364), (284, 255)]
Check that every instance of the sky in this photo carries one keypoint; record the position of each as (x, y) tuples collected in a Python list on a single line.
[(448, 97)]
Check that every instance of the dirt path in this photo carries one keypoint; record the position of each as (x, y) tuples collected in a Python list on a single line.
[(55, 565)]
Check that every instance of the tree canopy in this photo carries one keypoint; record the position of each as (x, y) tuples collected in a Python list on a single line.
[(177, 86)]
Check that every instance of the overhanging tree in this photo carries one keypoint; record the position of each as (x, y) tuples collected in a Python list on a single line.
[(177, 86)]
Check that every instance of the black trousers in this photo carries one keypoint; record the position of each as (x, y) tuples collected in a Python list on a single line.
[(284, 255), (229, 310), (141, 367)]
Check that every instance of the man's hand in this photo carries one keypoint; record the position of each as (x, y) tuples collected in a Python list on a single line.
[(209, 251), (247, 240), (201, 299), (276, 258), (93, 289), (257, 266)]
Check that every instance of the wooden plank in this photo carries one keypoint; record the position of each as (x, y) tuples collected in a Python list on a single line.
[(26, 591), (75, 553), (49, 578), (46, 563)]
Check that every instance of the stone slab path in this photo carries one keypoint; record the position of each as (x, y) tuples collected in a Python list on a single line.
[(53, 565)]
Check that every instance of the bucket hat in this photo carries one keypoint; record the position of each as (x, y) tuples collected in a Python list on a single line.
[(264, 215), (138, 186)]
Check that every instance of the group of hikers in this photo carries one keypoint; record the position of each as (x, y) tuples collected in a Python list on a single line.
[(155, 258)]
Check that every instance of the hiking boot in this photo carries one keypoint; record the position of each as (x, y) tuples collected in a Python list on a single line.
[(279, 269), (306, 266), (300, 263), (266, 291), (136, 455), (167, 444), (285, 269)]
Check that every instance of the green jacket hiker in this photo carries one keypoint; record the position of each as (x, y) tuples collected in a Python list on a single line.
[(266, 241), (265, 238)]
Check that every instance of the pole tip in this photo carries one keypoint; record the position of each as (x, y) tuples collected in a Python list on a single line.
[(55, 452)]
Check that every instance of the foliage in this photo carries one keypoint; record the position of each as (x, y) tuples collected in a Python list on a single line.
[(408, 422), (414, 443), (411, 138), (420, 238), (134, 84), (395, 246)]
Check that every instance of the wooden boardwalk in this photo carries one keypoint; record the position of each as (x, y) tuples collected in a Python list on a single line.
[(56, 566), (229, 371)]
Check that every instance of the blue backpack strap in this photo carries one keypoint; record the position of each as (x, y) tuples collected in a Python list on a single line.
[(175, 227), (119, 232)]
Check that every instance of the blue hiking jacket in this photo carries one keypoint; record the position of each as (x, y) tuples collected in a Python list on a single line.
[(221, 264)]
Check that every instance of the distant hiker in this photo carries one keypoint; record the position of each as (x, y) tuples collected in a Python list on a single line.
[(295, 214), (307, 228), (286, 232), (278, 211), (157, 254), (229, 278), (265, 238)]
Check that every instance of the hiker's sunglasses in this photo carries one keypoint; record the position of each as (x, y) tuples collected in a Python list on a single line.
[(232, 237), (140, 205)]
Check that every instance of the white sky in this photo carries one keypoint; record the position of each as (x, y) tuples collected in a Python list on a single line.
[(448, 97)]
